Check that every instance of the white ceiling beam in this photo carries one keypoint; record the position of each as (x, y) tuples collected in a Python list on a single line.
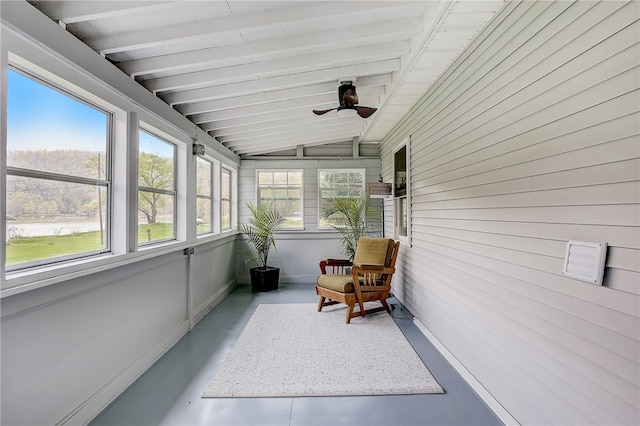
[(256, 51), (71, 12), (294, 140), (210, 28), (365, 86), (310, 119), (281, 66), (281, 82), (275, 149), (257, 98), (348, 124), (326, 101)]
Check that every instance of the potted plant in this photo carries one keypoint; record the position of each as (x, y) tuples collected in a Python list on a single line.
[(352, 217), (259, 235)]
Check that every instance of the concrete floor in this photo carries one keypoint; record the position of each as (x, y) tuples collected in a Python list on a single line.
[(169, 392)]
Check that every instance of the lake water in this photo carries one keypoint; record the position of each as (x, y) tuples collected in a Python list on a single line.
[(38, 229)]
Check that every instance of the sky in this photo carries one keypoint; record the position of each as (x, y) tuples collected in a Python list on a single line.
[(39, 117)]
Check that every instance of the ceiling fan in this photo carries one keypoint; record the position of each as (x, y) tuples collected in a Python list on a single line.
[(348, 99)]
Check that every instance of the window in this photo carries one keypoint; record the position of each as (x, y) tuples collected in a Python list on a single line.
[(401, 193), (282, 189), (204, 196), (156, 189), (58, 174), (339, 183), (225, 200)]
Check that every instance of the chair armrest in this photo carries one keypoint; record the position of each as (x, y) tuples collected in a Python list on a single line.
[(333, 263), (380, 269)]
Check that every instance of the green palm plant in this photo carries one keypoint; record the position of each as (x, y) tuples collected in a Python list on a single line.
[(259, 233), (352, 217)]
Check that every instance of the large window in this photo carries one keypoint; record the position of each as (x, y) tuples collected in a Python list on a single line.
[(338, 183), (156, 189), (204, 196), (282, 189), (58, 174)]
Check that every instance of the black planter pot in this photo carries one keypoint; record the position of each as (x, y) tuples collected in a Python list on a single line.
[(264, 279)]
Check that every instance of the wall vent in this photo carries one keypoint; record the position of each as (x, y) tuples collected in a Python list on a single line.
[(585, 261)]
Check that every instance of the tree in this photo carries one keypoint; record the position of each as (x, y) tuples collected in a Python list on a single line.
[(155, 172)]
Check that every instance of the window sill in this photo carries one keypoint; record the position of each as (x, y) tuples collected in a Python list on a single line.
[(22, 281)]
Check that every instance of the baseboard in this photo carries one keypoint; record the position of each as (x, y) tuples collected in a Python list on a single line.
[(97, 402), (214, 301), (482, 392)]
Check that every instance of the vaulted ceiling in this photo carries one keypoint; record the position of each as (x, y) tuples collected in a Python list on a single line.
[(250, 72)]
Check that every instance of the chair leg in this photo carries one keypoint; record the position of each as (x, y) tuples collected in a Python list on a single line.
[(386, 305), (321, 303), (349, 312)]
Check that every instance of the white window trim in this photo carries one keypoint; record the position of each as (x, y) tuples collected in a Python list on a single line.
[(404, 240), (233, 196)]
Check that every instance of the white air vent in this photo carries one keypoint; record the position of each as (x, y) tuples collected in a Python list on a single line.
[(585, 261)]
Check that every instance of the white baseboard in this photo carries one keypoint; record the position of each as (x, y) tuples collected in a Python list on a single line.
[(97, 402), (218, 297), (482, 392)]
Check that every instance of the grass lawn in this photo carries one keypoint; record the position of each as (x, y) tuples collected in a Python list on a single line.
[(29, 249)]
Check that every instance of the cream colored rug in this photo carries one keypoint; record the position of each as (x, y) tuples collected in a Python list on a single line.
[(292, 350)]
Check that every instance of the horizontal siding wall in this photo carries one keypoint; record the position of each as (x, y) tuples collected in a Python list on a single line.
[(531, 138)]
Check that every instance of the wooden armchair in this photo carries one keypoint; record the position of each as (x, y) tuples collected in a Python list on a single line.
[(369, 280)]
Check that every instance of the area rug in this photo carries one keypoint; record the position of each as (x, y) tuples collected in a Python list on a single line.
[(289, 350)]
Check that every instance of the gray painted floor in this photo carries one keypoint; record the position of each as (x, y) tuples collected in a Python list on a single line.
[(169, 392)]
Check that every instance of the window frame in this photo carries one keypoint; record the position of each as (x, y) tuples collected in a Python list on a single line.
[(300, 190), (106, 182), (363, 173), (171, 192), (223, 200), (210, 196), (402, 200)]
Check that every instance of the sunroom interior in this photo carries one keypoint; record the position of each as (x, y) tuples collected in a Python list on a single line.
[(513, 129)]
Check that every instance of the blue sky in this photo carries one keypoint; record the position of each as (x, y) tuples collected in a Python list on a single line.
[(39, 117)]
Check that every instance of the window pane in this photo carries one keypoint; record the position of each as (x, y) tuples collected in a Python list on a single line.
[(226, 214), (203, 177), (156, 162), (284, 193), (155, 217), (226, 184), (48, 219), (204, 224), (53, 132), (338, 184)]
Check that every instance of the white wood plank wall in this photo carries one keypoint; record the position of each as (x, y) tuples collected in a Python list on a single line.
[(529, 139)]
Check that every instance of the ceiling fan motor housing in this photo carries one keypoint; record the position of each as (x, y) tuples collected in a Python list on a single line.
[(347, 95)]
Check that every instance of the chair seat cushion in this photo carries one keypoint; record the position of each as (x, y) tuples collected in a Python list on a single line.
[(336, 282)]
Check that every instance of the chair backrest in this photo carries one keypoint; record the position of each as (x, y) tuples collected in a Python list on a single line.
[(374, 251)]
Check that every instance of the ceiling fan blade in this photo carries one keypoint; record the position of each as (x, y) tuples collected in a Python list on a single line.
[(365, 112), (322, 111)]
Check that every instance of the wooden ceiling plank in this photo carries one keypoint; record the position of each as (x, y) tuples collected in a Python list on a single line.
[(209, 28), (280, 82), (71, 12), (302, 63), (256, 51)]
